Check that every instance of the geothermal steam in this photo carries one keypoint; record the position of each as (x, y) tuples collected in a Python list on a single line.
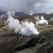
[(28, 28), (24, 28), (42, 21)]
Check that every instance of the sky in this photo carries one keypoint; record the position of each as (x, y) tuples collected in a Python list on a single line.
[(27, 6)]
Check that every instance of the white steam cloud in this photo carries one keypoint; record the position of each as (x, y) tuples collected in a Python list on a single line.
[(28, 28), (24, 28), (42, 21)]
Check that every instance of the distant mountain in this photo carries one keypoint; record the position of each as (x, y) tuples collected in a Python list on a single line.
[(20, 14)]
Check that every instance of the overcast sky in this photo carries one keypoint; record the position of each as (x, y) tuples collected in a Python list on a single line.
[(27, 6)]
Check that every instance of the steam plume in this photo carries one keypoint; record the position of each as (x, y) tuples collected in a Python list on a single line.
[(42, 21), (24, 28)]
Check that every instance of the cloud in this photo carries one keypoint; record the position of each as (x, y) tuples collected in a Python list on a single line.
[(17, 5), (43, 7), (27, 6)]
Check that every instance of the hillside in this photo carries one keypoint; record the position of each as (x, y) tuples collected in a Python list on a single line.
[(44, 44), (11, 42), (47, 16)]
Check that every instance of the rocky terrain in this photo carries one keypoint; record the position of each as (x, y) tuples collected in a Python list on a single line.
[(11, 42), (44, 44), (16, 43)]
